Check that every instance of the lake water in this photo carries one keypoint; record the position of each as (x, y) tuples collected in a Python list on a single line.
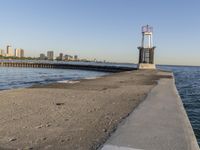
[(25, 77), (187, 83)]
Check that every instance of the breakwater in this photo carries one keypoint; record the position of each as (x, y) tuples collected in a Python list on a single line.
[(102, 68), (79, 115), (113, 97), (159, 122)]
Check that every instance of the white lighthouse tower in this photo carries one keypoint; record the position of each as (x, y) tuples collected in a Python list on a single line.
[(146, 50)]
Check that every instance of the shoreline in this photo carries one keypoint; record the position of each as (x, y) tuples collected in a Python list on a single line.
[(71, 116), (26, 77), (65, 81)]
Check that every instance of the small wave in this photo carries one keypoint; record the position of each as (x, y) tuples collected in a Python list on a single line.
[(90, 78), (68, 81), (25, 77)]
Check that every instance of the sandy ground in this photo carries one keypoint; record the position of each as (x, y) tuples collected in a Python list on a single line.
[(78, 116)]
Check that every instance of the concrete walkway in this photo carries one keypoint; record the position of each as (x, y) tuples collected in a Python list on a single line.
[(159, 123)]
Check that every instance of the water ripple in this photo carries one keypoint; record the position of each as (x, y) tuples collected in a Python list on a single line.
[(188, 84), (25, 77)]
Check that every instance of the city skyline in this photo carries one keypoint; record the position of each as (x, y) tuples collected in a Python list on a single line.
[(103, 30), (9, 51)]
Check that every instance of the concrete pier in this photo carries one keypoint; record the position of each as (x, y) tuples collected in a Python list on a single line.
[(159, 123), (71, 116), (82, 115)]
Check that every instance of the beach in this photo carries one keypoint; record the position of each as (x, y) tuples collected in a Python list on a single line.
[(75, 115)]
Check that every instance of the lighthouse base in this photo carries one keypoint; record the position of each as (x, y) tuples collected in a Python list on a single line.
[(146, 66)]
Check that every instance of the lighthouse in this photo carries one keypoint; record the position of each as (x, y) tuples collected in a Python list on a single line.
[(146, 50)]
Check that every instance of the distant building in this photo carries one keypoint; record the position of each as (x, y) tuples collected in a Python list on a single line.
[(50, 55), (42, 57), (2, 53), (22, 53), (19, 52), (9, 51), (68, 57), (75, 57), (60, 57)]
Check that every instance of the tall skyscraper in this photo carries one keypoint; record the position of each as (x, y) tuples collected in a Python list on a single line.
[(19, 52), (9, 51), (50, 55)]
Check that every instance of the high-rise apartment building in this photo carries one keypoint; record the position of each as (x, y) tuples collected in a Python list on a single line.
[(2, 52), (61, 56), (42, 56), (9, 51), (22, 53), (75, 57), (19, 52), (50, 55), (68, 57)]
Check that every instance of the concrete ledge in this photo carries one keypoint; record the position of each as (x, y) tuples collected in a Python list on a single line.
[(159, 123), (146, 66)]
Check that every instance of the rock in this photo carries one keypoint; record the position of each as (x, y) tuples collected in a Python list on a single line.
[(89, 111), (38, 127), (107, 117), (48, 125), (104, 130), (58, 104), (28, 148), (12, 139), (104, 88), (44, 138)]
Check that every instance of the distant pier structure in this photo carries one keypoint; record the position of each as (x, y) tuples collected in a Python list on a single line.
[(146, 50), (64, 65)]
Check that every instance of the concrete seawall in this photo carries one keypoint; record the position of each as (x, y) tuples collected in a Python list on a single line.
[(159, 123)]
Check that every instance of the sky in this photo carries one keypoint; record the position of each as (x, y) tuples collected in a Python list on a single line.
[(103, 29)]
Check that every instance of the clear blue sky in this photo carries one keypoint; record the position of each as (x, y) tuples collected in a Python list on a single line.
[(103, 29)]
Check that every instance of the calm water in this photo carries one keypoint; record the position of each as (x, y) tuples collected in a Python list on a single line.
[(188, 85), (187, 82), (25, 77)]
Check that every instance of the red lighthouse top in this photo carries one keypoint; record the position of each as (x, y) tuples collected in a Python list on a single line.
[(147, 29)]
